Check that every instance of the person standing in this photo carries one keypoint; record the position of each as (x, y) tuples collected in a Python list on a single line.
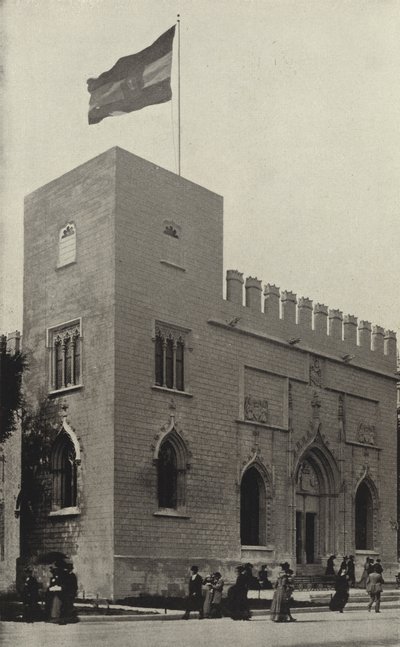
[(279, 605), (330, 565), (194, 600), (341, 596), (30, 597), (351, 571), (363, 580), (371, 567), (216, 602), (263, 578), (375, 588), (208, 596), (378, 566), (54, 595), (289, 593), (238, 603), (69, 585)]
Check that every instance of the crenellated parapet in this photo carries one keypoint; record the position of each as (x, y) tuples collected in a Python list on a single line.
[(289, 301), (253, 293), (324, 323), (272, 297), (234, 286)]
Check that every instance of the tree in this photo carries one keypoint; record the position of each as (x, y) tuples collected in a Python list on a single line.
[(12, 366)]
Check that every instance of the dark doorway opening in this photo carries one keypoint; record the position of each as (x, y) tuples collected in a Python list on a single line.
[(310, 537), (364, 518), (299, 537), (250, 508)]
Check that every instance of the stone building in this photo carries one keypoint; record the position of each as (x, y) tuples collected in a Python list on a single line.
[(189, 428), (10, 474)]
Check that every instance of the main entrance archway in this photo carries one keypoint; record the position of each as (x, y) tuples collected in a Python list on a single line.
[(316, 489)]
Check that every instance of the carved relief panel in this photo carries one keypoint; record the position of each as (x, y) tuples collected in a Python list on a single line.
[(264, 398)]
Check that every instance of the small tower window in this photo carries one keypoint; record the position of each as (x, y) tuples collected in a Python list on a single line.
[(67, 245), (170, 357), (65, 356), (172, 251)]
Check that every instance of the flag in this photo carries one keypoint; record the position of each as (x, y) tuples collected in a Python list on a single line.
[(134, 82)]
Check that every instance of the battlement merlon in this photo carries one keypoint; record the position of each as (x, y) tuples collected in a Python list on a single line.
[(318, 319)]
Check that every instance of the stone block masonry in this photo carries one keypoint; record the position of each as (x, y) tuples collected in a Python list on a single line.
[(283, 432)]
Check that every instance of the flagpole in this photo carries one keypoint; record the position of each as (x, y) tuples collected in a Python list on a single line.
[(179, 93)]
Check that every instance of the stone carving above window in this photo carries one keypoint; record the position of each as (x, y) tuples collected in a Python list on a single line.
[(315, 372), (172, 244), (366, 433), (307, 480), (68, 231), (255, 409), (170, 230)]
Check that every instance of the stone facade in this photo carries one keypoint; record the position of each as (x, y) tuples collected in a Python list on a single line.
[(292, 401)]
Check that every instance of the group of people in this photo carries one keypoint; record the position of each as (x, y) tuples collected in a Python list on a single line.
[(59, 596), (371, 580), (210, 605)]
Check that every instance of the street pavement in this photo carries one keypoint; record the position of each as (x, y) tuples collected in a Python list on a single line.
[(353, 628)]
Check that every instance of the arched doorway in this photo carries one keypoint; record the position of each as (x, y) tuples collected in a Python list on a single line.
[(315, 507), (252, 509), (364, 518)]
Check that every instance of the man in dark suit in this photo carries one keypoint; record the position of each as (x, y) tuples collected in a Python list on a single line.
[(194, 600)]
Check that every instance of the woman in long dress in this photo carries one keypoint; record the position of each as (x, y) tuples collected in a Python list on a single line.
[(363, 580), (208, 596), (237, 594), (55, 595), (280, 601), (341, 596)]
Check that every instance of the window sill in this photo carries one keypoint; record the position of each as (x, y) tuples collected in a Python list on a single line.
[(177, 267), (356, 443), (59, 267), (257, 548), (360, 551), (73, 511), (254, 423), (66, 389), (155, 387), (171, 512)]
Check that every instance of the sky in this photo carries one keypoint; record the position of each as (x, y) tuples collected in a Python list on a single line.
[(289, 109)]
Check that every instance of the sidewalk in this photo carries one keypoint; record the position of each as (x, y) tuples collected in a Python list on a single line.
[(358, 601)]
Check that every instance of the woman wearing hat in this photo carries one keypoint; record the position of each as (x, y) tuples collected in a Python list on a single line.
[(282, 593)]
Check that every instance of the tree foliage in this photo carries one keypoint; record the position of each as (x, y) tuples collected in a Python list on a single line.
[(11, 399), (40, 426)]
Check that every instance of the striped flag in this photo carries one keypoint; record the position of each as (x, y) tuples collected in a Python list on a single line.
[(134, 82)]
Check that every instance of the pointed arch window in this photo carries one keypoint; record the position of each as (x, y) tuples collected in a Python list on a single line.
[(67, 245), (167, 476), (172, 465), (364, 518), (64, 473), (252, 508)]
